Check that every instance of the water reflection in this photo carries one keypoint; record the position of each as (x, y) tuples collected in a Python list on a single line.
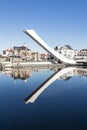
[(59, 73), (65, 73), (31, 98), (21, 73)]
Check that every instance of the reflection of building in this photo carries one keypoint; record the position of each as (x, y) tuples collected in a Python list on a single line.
[(77, 71), (82, 72), (21, 73), (68, 75)]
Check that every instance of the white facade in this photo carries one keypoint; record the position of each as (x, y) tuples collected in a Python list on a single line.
[(82, 54), (7, 52), (66, 51)]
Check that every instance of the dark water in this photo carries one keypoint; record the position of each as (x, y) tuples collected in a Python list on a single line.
[(61, 106)]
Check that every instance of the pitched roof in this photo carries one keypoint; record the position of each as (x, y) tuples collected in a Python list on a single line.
[(68, 47)]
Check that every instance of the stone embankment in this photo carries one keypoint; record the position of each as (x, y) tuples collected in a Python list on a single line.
[(29, 64)]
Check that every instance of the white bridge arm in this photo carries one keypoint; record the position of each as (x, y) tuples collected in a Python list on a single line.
[(55, 54)]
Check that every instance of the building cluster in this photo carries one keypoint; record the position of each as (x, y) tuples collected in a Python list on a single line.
[(70, 53), (23, 53)]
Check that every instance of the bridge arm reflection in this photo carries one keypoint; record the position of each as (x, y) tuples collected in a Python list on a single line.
[(33, 96)]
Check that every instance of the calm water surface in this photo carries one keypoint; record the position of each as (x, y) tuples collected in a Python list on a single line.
[(46, 99)]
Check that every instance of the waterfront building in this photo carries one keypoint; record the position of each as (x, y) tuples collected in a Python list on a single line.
[(23, 52), (18, 53), (44, 56), (82, 54), (7, 52), (66, 51), (36, 56)]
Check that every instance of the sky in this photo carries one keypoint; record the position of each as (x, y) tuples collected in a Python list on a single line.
[(58, 22)]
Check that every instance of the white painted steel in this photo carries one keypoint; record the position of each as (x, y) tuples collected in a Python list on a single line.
[(36, 37)]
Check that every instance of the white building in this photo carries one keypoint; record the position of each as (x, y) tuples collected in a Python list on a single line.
[(66, 51), (82, 54), (7, 52)]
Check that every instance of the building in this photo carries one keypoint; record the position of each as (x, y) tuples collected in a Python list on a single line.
[(44, 57), (82, 54), (23, 52), (66, 51), (36, 56), (7, 52), (16, 53)]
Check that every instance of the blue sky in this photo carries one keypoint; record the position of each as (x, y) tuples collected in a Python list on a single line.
[(58, 22)]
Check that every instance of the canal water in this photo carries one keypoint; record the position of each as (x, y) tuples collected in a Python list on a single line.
[(43, 99)]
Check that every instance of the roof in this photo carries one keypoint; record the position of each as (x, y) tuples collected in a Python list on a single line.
[(83, 50), (68, 47), (58, 48), (63, 48), (21, 48)]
